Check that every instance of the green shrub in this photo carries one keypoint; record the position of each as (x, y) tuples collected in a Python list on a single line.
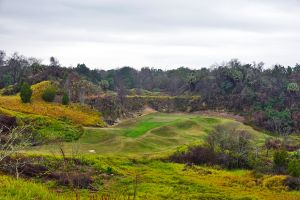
[(25, 93), (294, 168), (235, 144), (49, 94), (65, 99), (280, 160)]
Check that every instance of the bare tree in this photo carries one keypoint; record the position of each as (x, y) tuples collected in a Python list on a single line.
[(11, 143), (15, 164)]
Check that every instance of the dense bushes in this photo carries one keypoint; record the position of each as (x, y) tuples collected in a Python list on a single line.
[(294, 168), (285, 163), (231, 147), (235, 144), (196, 155), (280, 160), (49, 94), (25, 93), (226, 146)]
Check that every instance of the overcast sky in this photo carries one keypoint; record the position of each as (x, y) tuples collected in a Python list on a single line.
[(157, 33)]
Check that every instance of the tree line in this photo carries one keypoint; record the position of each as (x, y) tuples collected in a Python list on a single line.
[(268, 96)]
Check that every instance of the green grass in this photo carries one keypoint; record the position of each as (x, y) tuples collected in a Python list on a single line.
[(133, 149), (162, 180), (156, 180), (12, 189), (47, 128), (156, 133)]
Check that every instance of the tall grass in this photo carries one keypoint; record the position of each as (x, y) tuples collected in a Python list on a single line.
[(12, 189)]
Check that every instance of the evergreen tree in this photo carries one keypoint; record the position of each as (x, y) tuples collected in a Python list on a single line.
[(65, 99), (25, 93)]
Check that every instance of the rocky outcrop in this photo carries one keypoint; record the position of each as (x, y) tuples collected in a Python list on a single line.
[(113, 108)]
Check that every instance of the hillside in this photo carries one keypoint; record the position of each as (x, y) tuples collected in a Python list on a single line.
[(49, 121), (78, 114), (154, 133)]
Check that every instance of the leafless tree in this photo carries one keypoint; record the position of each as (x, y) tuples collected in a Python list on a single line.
[(12, 142)]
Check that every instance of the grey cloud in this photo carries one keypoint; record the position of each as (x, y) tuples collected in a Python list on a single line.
[(211, 24), (142, 15)]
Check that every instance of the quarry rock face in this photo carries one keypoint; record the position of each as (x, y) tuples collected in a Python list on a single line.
[(113, 108), (7, 123)]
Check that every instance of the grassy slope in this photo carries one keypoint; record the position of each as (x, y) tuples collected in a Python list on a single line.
[(48, 127), (78, 114)]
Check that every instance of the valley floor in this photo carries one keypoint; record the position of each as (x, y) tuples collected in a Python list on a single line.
[(134, 153), (150, 134)]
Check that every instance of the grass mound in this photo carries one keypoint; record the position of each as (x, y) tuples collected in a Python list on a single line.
[(165, 131), (39, 88), (186, 124)]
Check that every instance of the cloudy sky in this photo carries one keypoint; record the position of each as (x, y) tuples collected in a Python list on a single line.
[(156, 33)]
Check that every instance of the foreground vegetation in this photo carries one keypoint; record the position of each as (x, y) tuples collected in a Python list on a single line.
[(155, 179), (131, 160)]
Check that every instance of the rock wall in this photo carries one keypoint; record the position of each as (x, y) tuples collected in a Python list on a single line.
[(114, 108)]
